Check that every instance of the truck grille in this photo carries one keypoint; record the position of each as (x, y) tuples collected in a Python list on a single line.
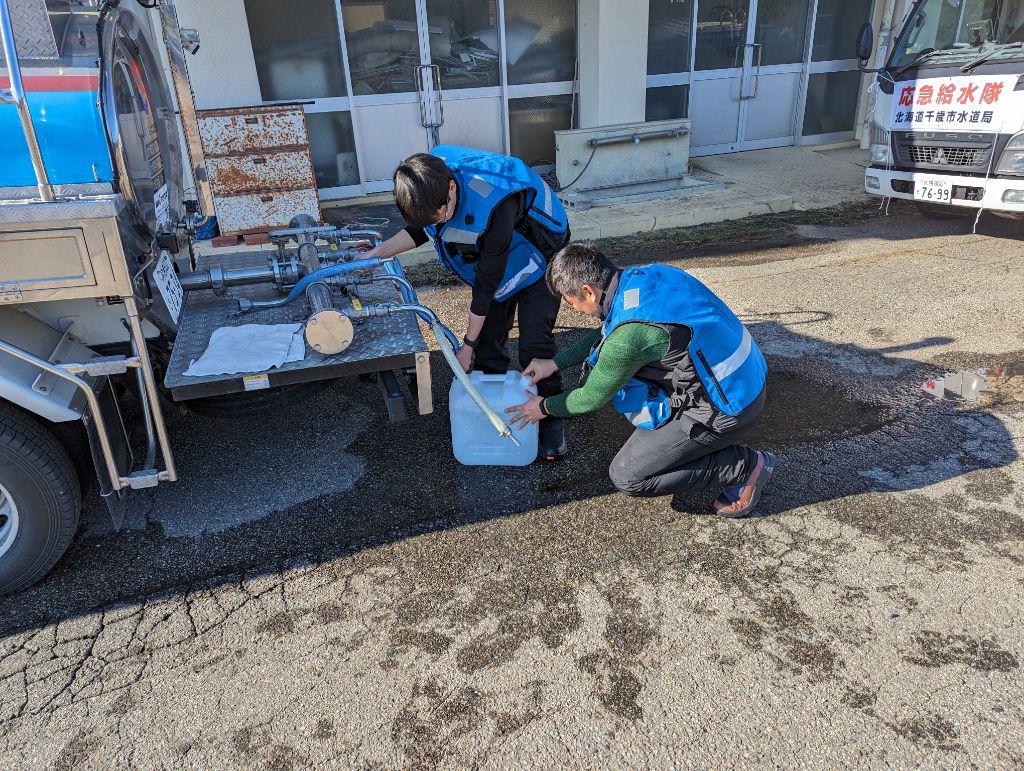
[(948, 156), (921, 150)]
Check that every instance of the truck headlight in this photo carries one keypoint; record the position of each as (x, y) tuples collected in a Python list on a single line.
[(1012, 159), (881, 155)]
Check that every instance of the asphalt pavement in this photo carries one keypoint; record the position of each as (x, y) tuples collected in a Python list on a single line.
[(326, 588)]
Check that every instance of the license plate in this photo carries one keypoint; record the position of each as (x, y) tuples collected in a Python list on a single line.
[(933, 189)]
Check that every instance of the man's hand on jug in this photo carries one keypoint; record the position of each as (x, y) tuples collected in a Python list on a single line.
[(528, 412), (540, 369)]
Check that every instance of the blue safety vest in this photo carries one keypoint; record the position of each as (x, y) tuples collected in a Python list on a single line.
[(485, 180), (723, 354)]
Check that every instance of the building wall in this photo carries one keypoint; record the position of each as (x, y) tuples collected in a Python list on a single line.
[(223, 72), (613, 61), (614, 84)]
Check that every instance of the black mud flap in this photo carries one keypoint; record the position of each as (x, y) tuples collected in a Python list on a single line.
[(112, 419)]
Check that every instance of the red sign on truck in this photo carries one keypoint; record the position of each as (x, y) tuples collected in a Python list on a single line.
[(974, 103)]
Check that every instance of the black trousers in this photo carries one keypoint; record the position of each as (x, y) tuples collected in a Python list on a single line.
[(685, 455), (538, 309)]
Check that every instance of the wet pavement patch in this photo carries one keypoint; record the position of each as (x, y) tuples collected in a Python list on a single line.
[(929, 731), (935, 649)]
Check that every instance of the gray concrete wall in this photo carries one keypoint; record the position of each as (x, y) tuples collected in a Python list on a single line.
[(613, 61), (223, 73)]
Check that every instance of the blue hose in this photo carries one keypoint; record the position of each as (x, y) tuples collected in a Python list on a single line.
[(428, 316), (394, 267), (332, 270), (391, 267)]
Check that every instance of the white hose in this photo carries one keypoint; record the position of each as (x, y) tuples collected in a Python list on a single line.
[(460, 374)]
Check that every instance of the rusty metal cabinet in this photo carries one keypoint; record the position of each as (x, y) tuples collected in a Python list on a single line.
[(260, 167)]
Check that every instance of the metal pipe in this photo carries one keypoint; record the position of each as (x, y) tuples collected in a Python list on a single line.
[(408, 292), (346, 281), (638, 137), (147, 416), (304, 229), (116, 479), (246, 305), (338, 269), (317, 294), (356, 235), (139, 339), (204, 279), (17, 97), (394, 268)]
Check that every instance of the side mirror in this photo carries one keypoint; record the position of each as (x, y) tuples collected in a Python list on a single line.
[(865, 42)]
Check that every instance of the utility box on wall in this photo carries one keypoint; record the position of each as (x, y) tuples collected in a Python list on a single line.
[(630, 161)]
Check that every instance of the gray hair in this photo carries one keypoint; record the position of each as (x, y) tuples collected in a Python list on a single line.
[(577, 265)]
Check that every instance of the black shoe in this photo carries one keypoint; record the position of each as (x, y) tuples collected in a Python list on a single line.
[(552, 439)]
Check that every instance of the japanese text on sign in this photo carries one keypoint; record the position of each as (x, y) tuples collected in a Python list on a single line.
[(170, 288), (975, 103)]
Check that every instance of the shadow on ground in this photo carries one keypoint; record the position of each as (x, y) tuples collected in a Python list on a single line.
[(845, 421)]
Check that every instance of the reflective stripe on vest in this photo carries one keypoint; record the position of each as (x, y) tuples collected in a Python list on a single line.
[(725, 368)]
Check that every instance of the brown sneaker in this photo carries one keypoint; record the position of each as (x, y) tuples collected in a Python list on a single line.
[(739, 501)]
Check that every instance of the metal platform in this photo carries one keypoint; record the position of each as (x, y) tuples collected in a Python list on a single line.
[(380, 344)]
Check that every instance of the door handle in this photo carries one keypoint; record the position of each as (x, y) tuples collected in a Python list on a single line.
[(741, 54), (434, 73), (757, 79), (433, 122), (743, 72), (419, 94)]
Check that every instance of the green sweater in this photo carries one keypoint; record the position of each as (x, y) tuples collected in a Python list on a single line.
[(627, 350)]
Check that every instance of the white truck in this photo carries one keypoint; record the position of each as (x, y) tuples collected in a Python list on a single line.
[(947, 130)]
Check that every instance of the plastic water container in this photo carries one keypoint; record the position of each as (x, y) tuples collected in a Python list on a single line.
[(475, 441)]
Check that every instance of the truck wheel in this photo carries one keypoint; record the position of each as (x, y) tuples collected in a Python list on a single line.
[(940, 212), (40, 500)]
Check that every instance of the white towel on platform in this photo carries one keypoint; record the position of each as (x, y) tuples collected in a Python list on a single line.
[(249, 348)]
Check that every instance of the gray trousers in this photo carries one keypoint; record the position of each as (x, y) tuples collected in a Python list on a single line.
[(685, 455)]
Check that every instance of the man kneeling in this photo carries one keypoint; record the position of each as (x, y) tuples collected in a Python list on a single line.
[(674, 360)]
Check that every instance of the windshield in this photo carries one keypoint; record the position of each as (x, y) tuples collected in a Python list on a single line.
[(964, 28)]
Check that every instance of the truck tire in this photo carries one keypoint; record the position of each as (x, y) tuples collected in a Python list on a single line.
[(40, 500), (936, 211)]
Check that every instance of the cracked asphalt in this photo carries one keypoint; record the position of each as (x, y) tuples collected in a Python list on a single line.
[(324, 588)]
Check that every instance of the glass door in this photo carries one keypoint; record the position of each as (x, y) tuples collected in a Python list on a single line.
[(423, 72), (540, 64), (669, 58), (383, 47), (465, 69), (298, 58), (383, 79), (723, 54), (748, 74), (834, 81)]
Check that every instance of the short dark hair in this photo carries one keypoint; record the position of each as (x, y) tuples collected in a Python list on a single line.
[(421, 188), (576, 265)]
